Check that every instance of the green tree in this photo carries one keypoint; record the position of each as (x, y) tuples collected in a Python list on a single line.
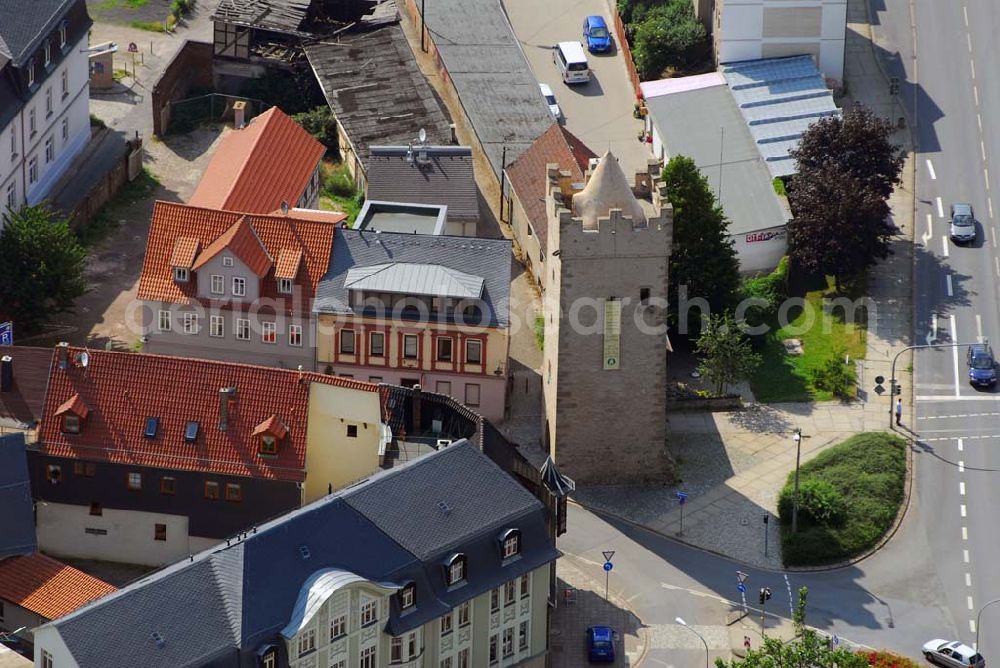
[(703, 259), (320, 123), (43, 265), (847, 169), (726, 354), (667, 35)]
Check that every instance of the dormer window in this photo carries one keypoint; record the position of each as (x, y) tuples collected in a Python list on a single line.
[(268, 445), (181, 274), (62, 35), (285, 286), (408, 596), (48, 52), (31, 72), (270, 433), (510, 544), (72, 413), (455, 569), (71, 424)]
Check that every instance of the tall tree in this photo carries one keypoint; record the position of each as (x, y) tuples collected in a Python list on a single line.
[(42, 263), (726, 354), (703, 257), (848, 168)]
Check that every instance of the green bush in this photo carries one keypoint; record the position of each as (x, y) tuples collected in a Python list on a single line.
[(669, 35), (820, 503), (778, 183), (769, 292), (835, 376), (339, 183), (321, 124)]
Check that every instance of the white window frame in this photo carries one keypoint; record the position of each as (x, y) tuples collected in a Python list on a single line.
[(306, 641), (227, 261), (369, 612), (181, 274), (523, 636), (338, 627), (368, 657), (218, 284), (64, 82), (31, 72), (447, 623), (525, 585), (464, 614), (33, 170), (13, 141), (508, 642), (407, 597), (50, 149), (354, 342), (407, 338), (11, 194), (239, 286), (163, 323), (494, 653), (62, 35), (65, 131), (134, 481), (463, 658), (242, 329), (512, 545), (47, 661), (396, 650), (269, 330), (217, 327), (48, 52), (190, 323), (270, 660), (451, 349), (456, 571), (285, 286), (32, 122), (509, 592), (295, 335)]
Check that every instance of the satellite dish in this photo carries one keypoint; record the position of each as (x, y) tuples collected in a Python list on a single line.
[(423, 136), (83, 359)]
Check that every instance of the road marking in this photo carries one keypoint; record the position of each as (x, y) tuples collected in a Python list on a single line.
[(972, 626), (972, 66), (982, 149), (926, 236), (944, 245), (986, 175), (947, 279), (954, 351), (949, 397), (993, 232), (965, 533), (989, 203), (950, 417), (965, 15), (932, 334), (940, 206), (996, 264), (930, 170), (961, 445), (965, 556), (979, 120), (968, 600), (968, 579), (975, 91), (962, 509), (968, 39), (961, 466), (961, 488), (979, 328)]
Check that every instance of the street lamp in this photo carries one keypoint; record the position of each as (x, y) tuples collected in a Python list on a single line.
[(797, 437), (980, 614), (684, 624)]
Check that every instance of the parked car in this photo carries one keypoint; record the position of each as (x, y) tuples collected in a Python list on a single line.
[(571, 62), (550, 99), (963, 223), (952, 653), (982, 365), (596, 35), (601, 644)]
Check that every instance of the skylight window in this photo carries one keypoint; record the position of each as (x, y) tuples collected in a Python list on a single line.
[(191, 432), (152, 425)]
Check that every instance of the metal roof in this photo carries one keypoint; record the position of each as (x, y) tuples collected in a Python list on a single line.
[(18, 534), (415, 279), (315, 591), (779, 98)]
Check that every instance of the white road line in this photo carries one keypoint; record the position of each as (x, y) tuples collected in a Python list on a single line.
[(961, 466), (965, 556), (968, 579), (979, 121), (975, 89), (930, 170), (954, 351), (996, 264), (972, 66), (951, 397), (961, 488), (952, 417), (989, 204), (986, 175), (979, 328), (982, 149), (968, 600), (968, 39), (993, 233), (944, 245), (965, 533), (962, 509), (965, 15), (972, 626), (947, 280), (940, 206), (961, 445)]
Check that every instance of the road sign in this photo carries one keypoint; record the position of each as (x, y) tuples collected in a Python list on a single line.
[(879, 380), (6, 333), (608, 565), (133, 47), (742, 588), (742, 577), (879, 390), (681, 497), (608, 554)]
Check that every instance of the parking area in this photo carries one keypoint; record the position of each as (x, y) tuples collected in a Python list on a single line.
[(598, 112)]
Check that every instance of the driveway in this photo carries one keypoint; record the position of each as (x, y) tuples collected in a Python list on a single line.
[(599, 112)]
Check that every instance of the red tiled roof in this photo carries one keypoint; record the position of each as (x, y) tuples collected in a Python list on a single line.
[(185, 251), (288, 263), (123, 389), (48, 587), (274, 234), (254, 169), (31, 373), (241, 241), (273, 427), (318, 215), (528, 178), (73, 405)]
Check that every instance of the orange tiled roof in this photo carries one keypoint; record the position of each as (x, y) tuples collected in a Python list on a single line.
[(73, 405), (254, 169), (123, 389), (185, 251), (272, 234), (241, 241), (288, 263), (48, 587), (273, 427)]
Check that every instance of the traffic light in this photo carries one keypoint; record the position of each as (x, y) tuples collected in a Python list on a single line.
[(765, 595), (761, 599)]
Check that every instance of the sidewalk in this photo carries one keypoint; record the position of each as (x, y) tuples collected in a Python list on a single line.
[(732, 465)]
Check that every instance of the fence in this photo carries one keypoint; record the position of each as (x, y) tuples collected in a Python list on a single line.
[(124, 170), (626, 50)]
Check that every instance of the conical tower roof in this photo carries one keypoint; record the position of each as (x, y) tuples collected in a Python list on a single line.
[(555, 481), (607, 189)]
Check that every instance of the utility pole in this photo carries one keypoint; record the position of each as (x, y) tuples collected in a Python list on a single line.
[(765, 596), (797, 437)]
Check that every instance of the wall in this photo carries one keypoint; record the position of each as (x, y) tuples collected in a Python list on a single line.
[(526, 240), (333, 458), (15, 617), (191, 67), (760, 251), (203, 278), (47, 638)]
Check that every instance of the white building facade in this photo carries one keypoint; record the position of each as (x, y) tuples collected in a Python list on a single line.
[(44, 100)]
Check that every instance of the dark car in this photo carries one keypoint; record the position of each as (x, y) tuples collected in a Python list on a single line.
[(982, 365), (596, 35), (600, 644), (963, 224)]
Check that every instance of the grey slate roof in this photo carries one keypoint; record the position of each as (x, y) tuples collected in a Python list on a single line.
[(24, 22), (694, 123), (484, 61), (447, 178), (487, 258), (17, 535), (221, 606), (779, 98), (376, 91)]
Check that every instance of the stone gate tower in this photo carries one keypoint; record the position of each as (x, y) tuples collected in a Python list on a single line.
[(604, 372)]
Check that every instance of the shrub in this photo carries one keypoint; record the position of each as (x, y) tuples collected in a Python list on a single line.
[(886, 659), (321, 124), (778, 184), (339, 182), (769, 291), (819, 503), (835, 376)]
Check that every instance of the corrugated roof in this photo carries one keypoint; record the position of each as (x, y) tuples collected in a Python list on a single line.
[(779, 98), (18, 520), (256, 168), (122, 390), (486, 258), (416, 279), (48, 587), (446, 178)]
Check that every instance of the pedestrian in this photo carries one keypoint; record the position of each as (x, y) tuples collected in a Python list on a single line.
[(899, 411), (746, 643)]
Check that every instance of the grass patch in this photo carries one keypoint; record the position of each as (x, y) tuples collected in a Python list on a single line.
[(866, 475), (107, 219), (150, 26), (338, 192), (121, 4), (540, 331), (782, 377), (118, 74)]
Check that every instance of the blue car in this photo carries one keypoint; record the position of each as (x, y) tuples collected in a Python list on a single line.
[(600, 644), (596, 35), (982, 366)]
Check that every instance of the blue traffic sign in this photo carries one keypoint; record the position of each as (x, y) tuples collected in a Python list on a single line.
[(6, 333), (608, 565), (742, 588), (681, 497)]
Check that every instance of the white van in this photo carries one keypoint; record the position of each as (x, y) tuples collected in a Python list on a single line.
[(571, 62)]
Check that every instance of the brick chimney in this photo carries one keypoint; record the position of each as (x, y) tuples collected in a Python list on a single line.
[(6, 373), (226, 395), (62, 351)]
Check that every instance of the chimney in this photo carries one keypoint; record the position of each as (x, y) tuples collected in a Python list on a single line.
[(454, 134), (62, 350), (226, 395), (6, 373), (415, 408), (239, 114)]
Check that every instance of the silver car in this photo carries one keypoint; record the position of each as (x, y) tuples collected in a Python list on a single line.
[(952, 653), (550, 99), (963, 223)]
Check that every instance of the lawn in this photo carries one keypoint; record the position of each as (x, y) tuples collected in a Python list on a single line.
[(823, 332), (849, 496), (338, 192)]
